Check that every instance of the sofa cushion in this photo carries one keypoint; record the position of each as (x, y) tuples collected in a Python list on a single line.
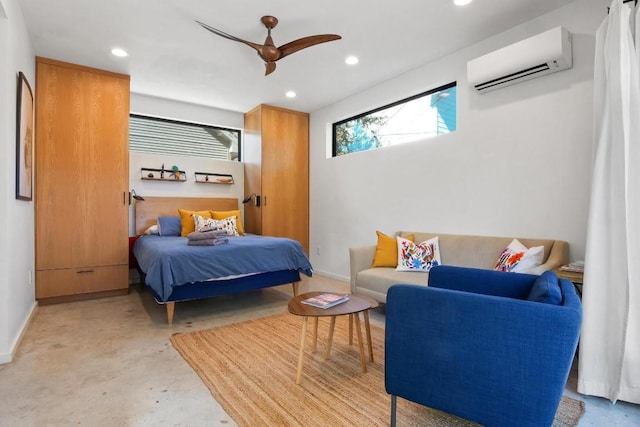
[(386, 251), (378, 280), (546, 289), (418, 257)]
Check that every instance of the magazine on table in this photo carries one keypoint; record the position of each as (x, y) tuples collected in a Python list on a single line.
[(326, 300), (575, 267)]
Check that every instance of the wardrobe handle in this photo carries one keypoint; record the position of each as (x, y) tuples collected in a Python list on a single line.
[(84, 271), (264, 200)]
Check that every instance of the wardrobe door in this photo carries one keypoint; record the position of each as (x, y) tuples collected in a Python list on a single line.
[(285, 174), (81, 178)]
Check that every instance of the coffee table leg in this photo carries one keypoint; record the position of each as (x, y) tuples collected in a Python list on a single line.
[(315, 334), (363, 361), (304, 333), (367, 329), (331, 328), (350, 329)]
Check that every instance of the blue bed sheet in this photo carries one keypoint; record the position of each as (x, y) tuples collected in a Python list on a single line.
[(168, 261)]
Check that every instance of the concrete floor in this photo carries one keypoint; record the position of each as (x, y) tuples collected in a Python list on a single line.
[(109, 362)]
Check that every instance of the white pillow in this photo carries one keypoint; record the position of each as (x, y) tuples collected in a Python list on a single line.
[(152, 230), (518, 259), (418, 256)]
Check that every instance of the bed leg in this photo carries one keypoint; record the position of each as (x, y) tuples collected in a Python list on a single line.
[(170, 307), (295, 288)]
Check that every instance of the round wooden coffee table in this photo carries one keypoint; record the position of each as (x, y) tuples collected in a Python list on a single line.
[(353, 307)]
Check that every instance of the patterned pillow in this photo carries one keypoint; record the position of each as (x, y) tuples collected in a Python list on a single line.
[(227, 224), (518, 259), (418, 256)]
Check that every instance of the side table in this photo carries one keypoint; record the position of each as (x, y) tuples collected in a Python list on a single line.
[(352, 307)]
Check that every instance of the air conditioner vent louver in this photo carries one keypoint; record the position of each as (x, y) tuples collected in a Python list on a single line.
[(537, 56)]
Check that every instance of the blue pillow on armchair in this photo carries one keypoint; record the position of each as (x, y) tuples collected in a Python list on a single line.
[(546, 289), (169, 225)]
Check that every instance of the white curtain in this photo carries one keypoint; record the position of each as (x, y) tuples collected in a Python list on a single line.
[(609, 357)]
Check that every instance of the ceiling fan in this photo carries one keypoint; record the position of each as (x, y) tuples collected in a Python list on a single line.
[(268, 51)]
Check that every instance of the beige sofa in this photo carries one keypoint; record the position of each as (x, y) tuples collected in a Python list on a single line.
[(460, 250)]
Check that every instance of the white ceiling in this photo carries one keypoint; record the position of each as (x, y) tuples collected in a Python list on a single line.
[(173, 57)]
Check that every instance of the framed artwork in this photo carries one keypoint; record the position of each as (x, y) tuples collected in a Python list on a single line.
[(24, 140)]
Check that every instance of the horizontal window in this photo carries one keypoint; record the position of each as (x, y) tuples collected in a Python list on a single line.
[(412, 119), (161, 136)]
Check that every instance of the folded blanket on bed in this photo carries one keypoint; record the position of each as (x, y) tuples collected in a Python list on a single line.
[(208, 242), (200, 235)]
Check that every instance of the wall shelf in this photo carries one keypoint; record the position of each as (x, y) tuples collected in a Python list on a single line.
[(214, 178), (167, 175)]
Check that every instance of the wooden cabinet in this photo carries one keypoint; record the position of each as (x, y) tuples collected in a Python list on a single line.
[(276, 158), (82, 173)]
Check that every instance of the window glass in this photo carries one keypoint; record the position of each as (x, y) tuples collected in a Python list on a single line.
[(413, 119), (162, 136)]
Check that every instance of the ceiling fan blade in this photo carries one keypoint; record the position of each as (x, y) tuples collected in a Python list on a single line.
[(256, 46), (270, 67), (296, 45)]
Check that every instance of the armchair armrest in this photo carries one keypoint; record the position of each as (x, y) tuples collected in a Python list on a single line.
[(360, 258), (506, 361)]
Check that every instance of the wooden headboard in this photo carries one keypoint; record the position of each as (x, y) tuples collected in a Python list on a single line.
[(148, 211)]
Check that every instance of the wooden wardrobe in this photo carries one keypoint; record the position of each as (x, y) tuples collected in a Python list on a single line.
[(276, 159), (82, 175)]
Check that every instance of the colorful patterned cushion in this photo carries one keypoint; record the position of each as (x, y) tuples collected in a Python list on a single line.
[(228, 224), (418, 256), (387, 251), (227, 214), (518, 259)]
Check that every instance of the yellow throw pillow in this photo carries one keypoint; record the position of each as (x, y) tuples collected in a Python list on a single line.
[(187, 222), (227, 214), (387, 251)]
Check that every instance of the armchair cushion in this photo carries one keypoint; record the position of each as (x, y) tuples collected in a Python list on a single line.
[(546, 289)]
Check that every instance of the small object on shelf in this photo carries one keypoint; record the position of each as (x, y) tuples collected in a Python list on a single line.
[(214, 178), (175, 172), (152, 174), (326, 300)]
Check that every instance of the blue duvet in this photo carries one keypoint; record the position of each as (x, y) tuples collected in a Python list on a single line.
[(168, 261)]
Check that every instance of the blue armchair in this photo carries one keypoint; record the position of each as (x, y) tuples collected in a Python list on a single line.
[(477, 344)]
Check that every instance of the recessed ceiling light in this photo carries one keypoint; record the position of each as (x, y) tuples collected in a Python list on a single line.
[(461, 2), (290, 94), (119, 52), (351, 60)]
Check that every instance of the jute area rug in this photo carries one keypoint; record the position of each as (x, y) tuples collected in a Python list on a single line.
[(250, 369)]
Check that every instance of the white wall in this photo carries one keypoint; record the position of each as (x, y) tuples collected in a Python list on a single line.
[(518, 165), (168, 109), (17, 292)]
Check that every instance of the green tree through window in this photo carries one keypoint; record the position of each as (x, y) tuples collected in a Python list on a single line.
[(412, 119)]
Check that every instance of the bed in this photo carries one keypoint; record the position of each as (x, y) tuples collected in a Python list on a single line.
[(174, 271)]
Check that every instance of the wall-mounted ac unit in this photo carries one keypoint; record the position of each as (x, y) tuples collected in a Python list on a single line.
[(536, 56)]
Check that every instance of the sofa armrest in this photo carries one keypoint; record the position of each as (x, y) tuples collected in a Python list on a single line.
[(495, 355), (558, 256), (360, 258)]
